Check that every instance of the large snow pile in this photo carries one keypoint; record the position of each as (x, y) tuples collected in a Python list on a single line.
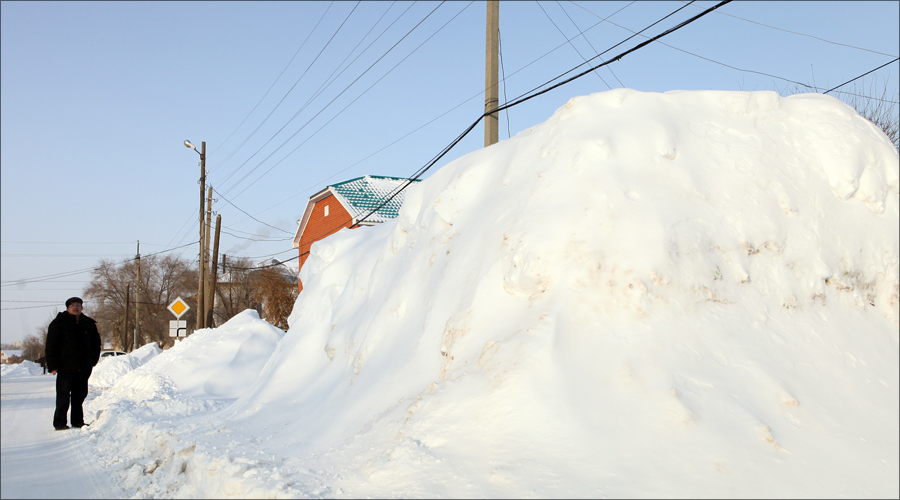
[(679, 294), (110, 369), (24, 369), (196, 376), (220, 362)]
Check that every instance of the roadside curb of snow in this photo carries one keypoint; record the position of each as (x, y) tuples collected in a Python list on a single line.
[(136, 439)]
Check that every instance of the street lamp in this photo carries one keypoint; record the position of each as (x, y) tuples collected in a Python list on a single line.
[(201, 313)]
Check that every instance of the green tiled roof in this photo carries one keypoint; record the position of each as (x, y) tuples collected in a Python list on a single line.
[(364, 194)]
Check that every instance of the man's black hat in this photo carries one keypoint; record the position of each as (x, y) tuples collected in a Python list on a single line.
[(73, 300)]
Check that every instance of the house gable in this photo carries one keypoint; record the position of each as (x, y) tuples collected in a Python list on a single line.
[(345, 204), (319, 225)]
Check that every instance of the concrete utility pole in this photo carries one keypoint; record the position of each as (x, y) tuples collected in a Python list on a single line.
[(137, 300), (201, 316), (491, 72), (211, 300)]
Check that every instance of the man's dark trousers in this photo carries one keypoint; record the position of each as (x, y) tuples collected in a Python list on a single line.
[(74, 386)]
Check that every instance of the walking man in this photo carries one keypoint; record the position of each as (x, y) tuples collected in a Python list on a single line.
[(72, 350)]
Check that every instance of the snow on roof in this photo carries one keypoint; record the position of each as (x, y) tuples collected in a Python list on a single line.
[(365, 194), (359, 197)]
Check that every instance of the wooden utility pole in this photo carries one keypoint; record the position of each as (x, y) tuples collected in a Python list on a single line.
[(211, 300), (127, 309), (137, 299), (491, 72), (202, 267)]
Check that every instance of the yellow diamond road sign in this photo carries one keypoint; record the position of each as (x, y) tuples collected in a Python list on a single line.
[(179, 307)]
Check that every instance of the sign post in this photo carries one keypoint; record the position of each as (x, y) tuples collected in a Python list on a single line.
[(178, 328)]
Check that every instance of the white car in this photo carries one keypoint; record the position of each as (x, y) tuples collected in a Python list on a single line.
[(106, 354)]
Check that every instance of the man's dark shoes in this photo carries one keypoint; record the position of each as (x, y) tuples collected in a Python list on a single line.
[(62, 428), (79, 426)]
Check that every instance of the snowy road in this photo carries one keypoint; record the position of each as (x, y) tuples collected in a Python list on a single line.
[(35, 460)]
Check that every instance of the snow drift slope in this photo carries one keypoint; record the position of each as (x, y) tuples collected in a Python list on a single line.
[(689, 293)]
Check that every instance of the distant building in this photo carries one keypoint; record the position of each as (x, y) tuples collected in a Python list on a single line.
[(5, 354), (345, 204)]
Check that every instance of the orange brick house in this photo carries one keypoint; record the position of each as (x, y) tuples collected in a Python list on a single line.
[(344, 205)]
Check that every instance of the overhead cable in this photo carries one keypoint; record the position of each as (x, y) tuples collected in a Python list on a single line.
[(811, 87), (529, 97), (279, 263), (271, 86), (28, 307), (474, 96), (255, 239), (323, 109), (862, 75), (318, 92), (66, 274), (348, 105), (586, 39), (570, 42), (286, 94), (801, 34), (248, 215), (605, 51)]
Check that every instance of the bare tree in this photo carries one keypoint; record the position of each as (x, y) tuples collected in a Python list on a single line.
[(234, 291), (270, 288), (34, 346), (277, 289), (879, 107), (163, 278)]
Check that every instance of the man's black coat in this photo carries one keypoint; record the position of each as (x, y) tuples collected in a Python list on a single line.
[(72, 346)]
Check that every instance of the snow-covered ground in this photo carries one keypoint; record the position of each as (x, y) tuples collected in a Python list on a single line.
[(35, 460), (690, 294)]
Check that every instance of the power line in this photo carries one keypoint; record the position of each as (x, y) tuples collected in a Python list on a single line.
[(348, 66), (27, 307), (522, 97), (329, 81), (254, 239), (476, 95), (354, 100), (503, 74), (570, 42), (270, 255), (605, 51), (867, 97), (67, 255), (67, 274), (708, 59), (224, 267), (270, 87), (282, 99), (586, 39), (862, 75), (79, 243), (801, 34), (526, 98), (248, 215), (286, 94), (323, 109), (245, 232)]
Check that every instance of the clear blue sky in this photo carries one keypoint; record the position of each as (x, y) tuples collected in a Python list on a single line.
[(97, 98)]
